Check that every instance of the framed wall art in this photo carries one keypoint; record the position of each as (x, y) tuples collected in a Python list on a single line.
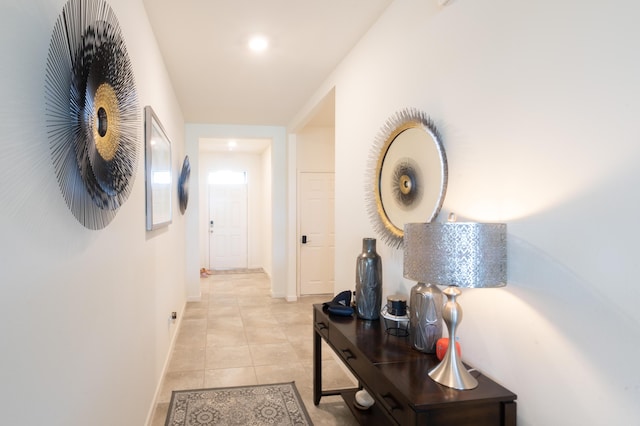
[(158, 174)]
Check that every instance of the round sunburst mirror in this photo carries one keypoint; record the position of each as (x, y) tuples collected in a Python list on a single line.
[(408, 175)]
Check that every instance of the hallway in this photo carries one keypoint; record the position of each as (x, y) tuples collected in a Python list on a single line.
[(239, 335)]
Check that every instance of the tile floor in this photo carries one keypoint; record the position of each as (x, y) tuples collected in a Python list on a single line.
[(239, 335)]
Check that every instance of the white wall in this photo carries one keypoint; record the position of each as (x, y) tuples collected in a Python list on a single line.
[(315, 149), (85, 333), (237, 162), (537, 102)]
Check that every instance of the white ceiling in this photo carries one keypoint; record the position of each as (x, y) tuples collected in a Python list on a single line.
[(218, 80), (246, 146)]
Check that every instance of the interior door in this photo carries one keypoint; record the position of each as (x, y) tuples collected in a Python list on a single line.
[(317, 235), (227, 226)]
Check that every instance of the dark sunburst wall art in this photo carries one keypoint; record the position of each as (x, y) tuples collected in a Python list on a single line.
[(183, 184), (92, 113)]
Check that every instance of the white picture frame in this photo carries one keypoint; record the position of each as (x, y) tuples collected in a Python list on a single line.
[(158, 173)]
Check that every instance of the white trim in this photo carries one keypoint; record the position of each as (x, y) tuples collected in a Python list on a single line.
[(176, 326)]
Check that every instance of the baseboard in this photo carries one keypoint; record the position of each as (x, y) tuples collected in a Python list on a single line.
[(172, 343)]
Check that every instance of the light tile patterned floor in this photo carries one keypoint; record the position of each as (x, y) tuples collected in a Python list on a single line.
[(239, 335)]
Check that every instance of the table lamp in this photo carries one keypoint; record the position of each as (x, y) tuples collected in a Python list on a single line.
[(458, 254)]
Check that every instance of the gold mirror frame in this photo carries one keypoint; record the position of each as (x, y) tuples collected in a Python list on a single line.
[(407, 175)]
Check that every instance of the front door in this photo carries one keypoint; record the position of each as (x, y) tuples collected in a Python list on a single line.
[(227, 226)]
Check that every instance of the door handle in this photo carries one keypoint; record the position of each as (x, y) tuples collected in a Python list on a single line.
[(304, 239)]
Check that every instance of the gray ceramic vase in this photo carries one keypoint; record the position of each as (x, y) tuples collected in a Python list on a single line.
[(368, 281), (425, 311)]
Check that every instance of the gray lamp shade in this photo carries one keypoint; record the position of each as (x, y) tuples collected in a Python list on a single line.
[(462, 254)]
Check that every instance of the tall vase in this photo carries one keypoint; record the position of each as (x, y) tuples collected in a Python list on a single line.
[(368, 281), (425, 312)]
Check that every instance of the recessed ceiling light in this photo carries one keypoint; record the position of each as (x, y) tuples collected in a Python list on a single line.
[(232, 144), (258, 43)]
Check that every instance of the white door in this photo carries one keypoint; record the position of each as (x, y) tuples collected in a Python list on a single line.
[(317, 237), (227, 226)]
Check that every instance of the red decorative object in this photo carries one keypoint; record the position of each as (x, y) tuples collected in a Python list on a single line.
[(442, 345)]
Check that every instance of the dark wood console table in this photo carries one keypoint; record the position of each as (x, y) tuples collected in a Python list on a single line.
[(396, 377)]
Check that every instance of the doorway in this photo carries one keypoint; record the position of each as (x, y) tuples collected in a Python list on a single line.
[(313, 163)]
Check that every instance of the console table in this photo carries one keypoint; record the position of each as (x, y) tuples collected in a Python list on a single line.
[(396, 376)]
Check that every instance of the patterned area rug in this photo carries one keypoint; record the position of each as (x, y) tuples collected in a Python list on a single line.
[(277, 404)]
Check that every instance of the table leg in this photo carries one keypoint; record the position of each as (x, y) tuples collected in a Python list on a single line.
[(317, 367)]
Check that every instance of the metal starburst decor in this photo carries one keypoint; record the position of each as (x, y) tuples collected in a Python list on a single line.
[(406, 175), (92, 113)]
